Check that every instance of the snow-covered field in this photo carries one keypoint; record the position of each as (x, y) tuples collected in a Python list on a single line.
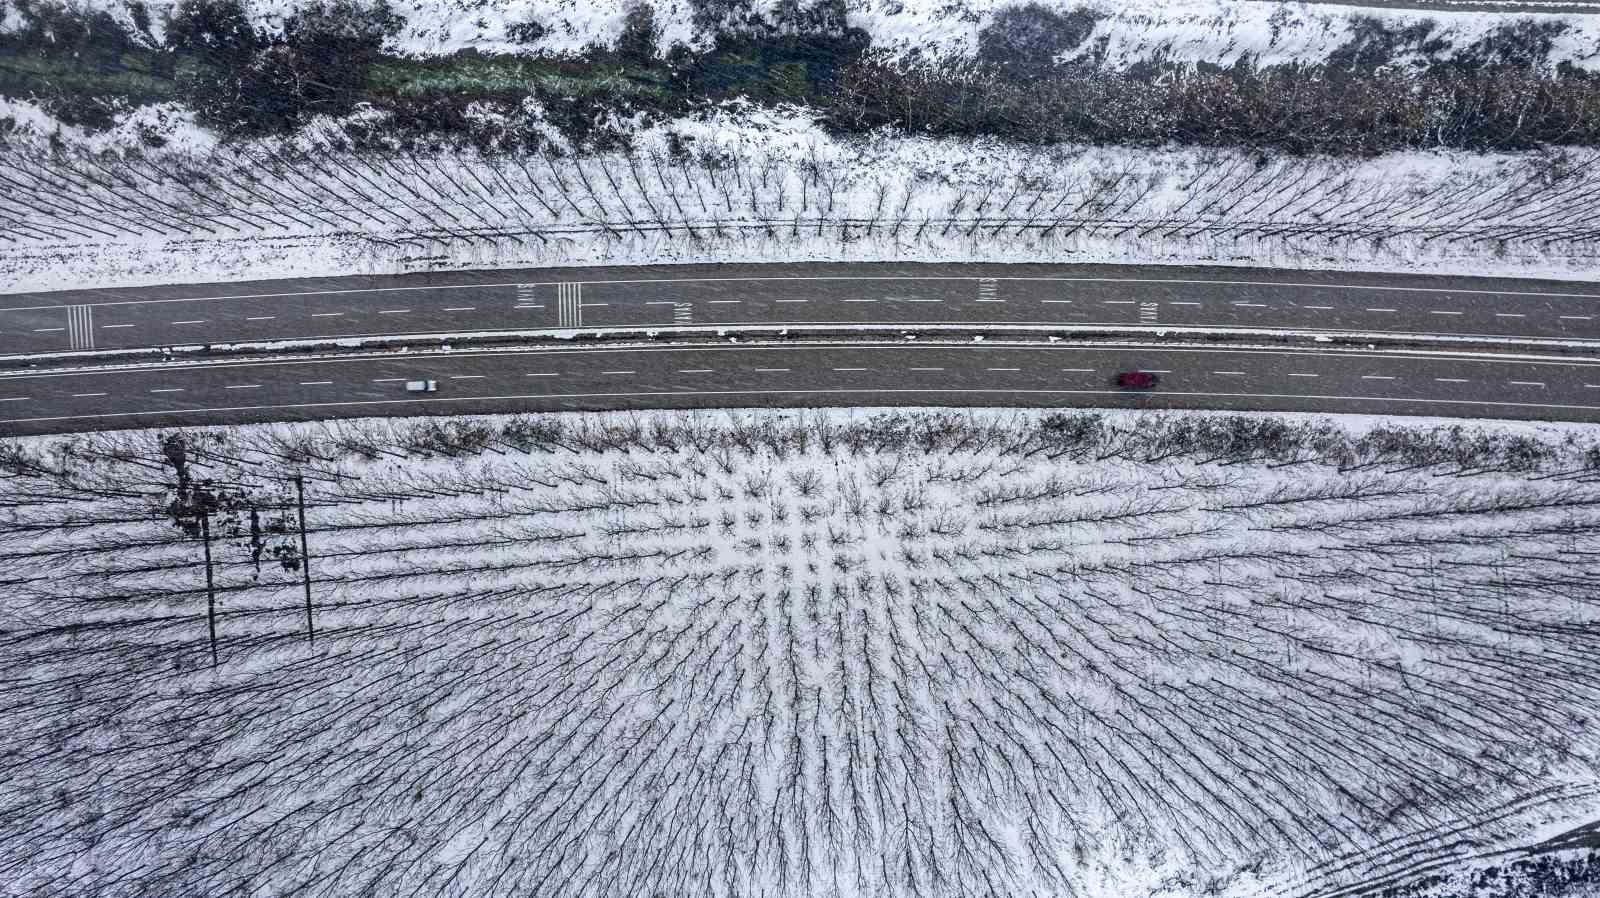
[(814, 655), (1219, 31), (771, 186)]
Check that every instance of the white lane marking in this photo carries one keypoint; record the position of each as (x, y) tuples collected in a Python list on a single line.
[(724, 302), (595, 305), (1381, 310), (191, 321), (862, 300), (386, 380), (616, 372), (988, 300), (14, 399), (1526, 383), (315, 383), (1155, 371), (781, 300), (1065, 302), (849, 369), (169, 390), (1442, 312), (772, 369), (1079, 370), (529, 306), (1593, 386), (327, 314), (543, 374), (81, 395), (1176, 303), (1227, 372), (393, 311), (468, 376), (1377, 377), (1252, 305), (1509, 315), (465, 308), (694, 370), (665, 302), (261, 318), (924, 369), (242, 387), (1324, 308), (1002, 369), (922, 300), (1117, 302), (46, 330), (1576, 317), (115, 325), (1304, 375), (1452, 380)]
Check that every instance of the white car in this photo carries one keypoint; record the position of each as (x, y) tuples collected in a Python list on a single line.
[(422, 386)]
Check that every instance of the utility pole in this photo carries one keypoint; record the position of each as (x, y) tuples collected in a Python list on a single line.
[(305, 556), (211, 592)]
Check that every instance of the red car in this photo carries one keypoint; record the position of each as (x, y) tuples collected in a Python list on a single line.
[(1137, 380)]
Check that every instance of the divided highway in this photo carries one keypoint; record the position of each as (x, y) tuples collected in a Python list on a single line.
[(799, 373)]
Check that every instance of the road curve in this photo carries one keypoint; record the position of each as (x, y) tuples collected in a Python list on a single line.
[(734, 296), (800, 374)]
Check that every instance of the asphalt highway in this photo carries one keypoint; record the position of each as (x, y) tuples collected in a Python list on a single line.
[(902, 295), (802, 374)]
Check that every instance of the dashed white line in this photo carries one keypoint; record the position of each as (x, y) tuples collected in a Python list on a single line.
[(1377, 377), (1576, 317), (14, 399), (1526, 383), (242, 387), (616, 372), (1066, 302), (1176, 303), (1115, 302), (386, 380), (261, 318), (792, 300), (1322, 308), (849, 369), (1155, 371), (923, 300), (865, 300), (595, 305), (468, 376), (924, 369), (1381, 310), (694, 370), (1079, 370), (315, 383), (543, 374), (46, 330), (772, 369), (461, 309), (327, 314), (1302, 375), (393, 311), (990, 300), (1002, 369), (191, 321), (529, 306), (1452, 380), (169, 390), (1509, 315), (724, 302), (1252, 305), (82, 395), (1442, 312), (108, 326), (1227, 372)]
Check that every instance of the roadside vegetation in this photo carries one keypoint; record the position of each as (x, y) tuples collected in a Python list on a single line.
[(1038, 77), (731, 654)]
